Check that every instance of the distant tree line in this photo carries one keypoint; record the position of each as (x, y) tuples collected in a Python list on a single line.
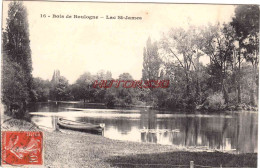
[(228, 81), (58, 89)]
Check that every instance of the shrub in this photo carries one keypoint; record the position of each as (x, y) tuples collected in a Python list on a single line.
[(216, 101)]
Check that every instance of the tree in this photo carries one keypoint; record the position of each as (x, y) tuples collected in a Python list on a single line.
[(99, 93), (40, 90), (218, 45), (60, 89), (17, 59), (151, 61), (246, 25), (125, 76), (151, 67), (15, 93), (121, 96), (181, 49), (125, 96), (85, 86)]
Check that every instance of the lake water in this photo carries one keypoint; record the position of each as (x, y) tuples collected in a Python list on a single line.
[(236, 132)]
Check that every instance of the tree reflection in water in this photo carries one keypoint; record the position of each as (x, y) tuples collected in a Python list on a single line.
[(235, 132)]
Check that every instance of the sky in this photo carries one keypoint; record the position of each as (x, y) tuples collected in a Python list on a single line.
[(75, 46)]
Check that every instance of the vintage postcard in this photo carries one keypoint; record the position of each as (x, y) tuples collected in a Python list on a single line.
[(99, 85)]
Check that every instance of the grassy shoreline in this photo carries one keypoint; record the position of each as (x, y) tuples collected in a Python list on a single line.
[(75, 149), (199, 108)]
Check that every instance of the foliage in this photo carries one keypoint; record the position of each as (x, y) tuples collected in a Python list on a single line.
[(246, 25), (17, 64), (14, 91), (40, 90), (60, 91), (216, 101), (120, 96), (151, 61), (84, 84), (227, 46), (230, 78)]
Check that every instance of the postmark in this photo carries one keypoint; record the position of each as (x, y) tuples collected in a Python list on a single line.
[(22, 148)]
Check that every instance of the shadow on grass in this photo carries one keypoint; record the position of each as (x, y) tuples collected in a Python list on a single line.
[(169, 159)]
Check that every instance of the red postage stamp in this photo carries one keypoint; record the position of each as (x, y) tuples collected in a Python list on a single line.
[(22, 148)]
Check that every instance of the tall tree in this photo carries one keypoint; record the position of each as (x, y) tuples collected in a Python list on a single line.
[(151, 66), (60, 89), (17, 59), (151, 61), (246, 24), (218, 45), (181, 48)]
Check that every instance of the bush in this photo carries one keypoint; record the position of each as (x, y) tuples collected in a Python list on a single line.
[(110, 100), (232, 98), (216, 101)]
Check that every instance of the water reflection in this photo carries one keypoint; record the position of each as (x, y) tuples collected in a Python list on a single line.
[(235, 132), (49, 122)]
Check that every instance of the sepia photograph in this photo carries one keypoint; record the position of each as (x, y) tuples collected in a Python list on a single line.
[(127, 85)]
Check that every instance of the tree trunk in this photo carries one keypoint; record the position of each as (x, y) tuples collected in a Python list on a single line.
[(253, 87), (225, 93), (252, 97), (187, 84), (198, 91), (238, 79), (223, 88)]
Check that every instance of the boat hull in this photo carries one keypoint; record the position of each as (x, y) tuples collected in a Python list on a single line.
[(78, 126)]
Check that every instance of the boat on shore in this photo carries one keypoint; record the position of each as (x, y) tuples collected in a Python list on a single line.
[(80, 126)]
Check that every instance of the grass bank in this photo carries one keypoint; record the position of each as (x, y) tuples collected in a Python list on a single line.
[(75, 149), (183, 158)]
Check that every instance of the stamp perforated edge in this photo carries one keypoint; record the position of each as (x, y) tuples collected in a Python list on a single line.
[(23, 165)]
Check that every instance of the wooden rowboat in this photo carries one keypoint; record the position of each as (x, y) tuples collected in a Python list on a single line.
[(79, 126)]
